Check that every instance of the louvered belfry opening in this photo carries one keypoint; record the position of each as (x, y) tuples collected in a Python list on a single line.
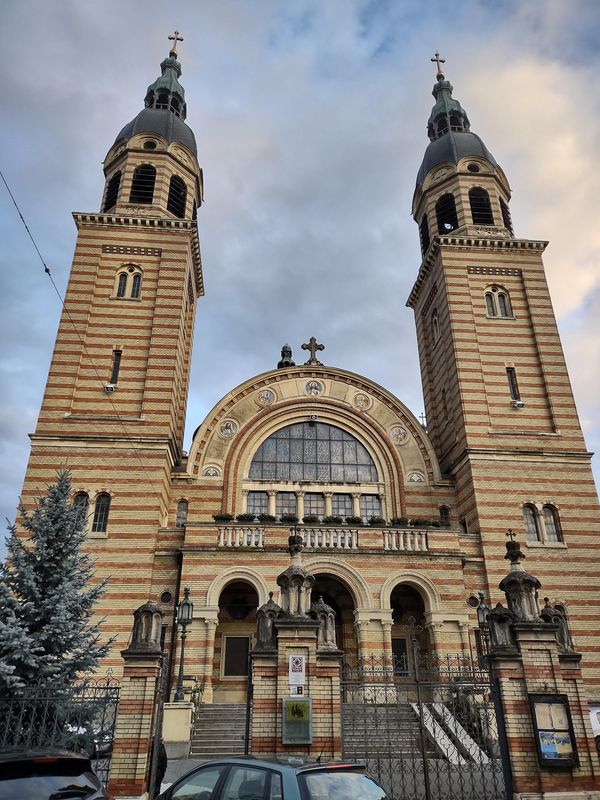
[(142, 185), (177, 197), (112, 191), (445, 210), (424, 234), (481, 208)]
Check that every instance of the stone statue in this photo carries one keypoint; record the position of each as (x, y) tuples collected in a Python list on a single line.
[(325, 616), (266, 633), (556, 616), (500, 621), (286, 357)]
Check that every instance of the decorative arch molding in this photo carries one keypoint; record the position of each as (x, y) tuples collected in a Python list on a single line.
[(426, 588), (237, 574), (353, 580)]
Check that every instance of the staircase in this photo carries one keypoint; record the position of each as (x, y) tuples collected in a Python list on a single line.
[(371, 730), (219, 730)]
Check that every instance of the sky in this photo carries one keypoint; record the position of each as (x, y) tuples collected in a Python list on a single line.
[(310, 119)]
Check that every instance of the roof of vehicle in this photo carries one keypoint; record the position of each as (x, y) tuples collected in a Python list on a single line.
[(37, 754), (295, 764)]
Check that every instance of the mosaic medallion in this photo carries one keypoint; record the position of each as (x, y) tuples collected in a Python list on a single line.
[(211, 472), (416, 477), (362, 401), (265, 397), (228, 428), (398, 434), (314, 388)]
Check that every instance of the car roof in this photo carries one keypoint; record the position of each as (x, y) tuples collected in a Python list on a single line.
[(293, 764), (31, 754)]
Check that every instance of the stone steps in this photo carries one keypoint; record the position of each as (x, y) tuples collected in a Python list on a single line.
[(219, 730), (381, 729)]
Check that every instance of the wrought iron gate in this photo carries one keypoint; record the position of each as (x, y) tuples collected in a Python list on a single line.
[(80, 718), (426, 727)]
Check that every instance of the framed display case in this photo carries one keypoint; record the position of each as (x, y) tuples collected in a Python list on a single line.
[(553, 730)]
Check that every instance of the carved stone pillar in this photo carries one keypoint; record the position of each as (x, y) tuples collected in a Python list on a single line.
[(356, 504), (210, 624), (300, 505), (328, 503), (272, 494)]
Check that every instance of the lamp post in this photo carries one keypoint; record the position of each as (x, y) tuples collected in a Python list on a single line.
[(185, 614)]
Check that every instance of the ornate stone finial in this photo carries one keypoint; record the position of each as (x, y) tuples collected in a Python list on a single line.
[(266, 633), (175, 38), (439, 61), (514, 554), (325, 616), (296, 583), (295, 542), (147, 626), (286, 357), (519, 586), (313, 347)]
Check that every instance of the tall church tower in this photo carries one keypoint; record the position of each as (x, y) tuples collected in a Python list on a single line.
[(500, 410), (114, 406)]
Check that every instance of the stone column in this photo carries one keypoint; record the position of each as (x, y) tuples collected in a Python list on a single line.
[(136, 712), (328, 503), (356, 504), (300, 505), (272, 494)]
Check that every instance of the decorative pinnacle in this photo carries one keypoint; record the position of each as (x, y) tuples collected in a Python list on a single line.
[(438, 61), (177, 38)]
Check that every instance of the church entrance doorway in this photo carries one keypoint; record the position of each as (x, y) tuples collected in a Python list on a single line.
[(408, 620), (337, 595), (238, 604)]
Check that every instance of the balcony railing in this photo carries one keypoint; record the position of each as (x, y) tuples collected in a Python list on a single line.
[(408, 539)]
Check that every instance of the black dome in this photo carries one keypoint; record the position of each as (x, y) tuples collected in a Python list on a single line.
[(162, 122), (453, 146)]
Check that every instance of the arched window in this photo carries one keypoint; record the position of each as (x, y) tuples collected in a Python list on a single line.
[(142, 185), (162, 100), (312, 451), (506, 217), (435, 326), (81, 503), (490, 304), (182, 514), (497, 302), (112, 190), (552, 524), (122, 285), (442, 126), (503, 304), (136, 285), (445, 210), (532, 527), (424, 234), (445, 516), (175, 105), (101, 509), (455, 123), (481, 208), (177, 196)]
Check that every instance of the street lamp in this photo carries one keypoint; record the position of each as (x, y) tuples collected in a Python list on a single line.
[(185, 614)]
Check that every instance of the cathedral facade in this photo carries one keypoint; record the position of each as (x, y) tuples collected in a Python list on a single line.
[(400, 524)]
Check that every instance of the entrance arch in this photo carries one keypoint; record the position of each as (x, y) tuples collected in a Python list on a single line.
[(238, 602)]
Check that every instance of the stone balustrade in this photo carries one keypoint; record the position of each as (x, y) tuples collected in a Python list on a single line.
[(408, 539), (241, 536), (328, 538)]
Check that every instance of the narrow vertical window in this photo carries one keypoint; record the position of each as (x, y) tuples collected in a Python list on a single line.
[(112, 191), (445, 405), (503, 305), (513, 386), (445, 516), (177, 196), (490, 304), (506, 217), (81, 503), (122, 285), (182, 514), (136, 285), (424, 234), (114, 373), (435, 326), (101, 509), (445, 210), (552, 524), (142, 184), (532, 528), (481, 208)]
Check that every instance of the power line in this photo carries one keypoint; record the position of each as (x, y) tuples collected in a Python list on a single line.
[(85, 350)]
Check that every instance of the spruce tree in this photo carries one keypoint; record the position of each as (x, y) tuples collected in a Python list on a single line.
[(47, 597)]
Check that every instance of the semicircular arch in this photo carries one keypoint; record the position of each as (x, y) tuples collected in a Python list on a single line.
[(232, 574), (426, 588), (353, 580)]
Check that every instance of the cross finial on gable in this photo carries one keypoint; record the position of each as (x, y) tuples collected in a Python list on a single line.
[(313, 347)]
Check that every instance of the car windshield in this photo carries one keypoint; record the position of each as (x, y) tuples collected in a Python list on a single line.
[(339, 784)]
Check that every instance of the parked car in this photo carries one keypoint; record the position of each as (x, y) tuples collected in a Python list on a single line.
[(270, 779), (48, 775)]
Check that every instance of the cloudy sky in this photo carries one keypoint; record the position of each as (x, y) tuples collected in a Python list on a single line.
[(310, 119)]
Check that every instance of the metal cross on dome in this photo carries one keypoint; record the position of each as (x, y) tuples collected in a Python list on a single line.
[(175, 38), (313, 347), (438, 60)]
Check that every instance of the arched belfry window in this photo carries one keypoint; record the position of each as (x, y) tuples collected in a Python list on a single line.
[(424, 234), (313, 451), (506, 217), (177, 196), (481, 208), (442, 126), (112, 191), (445, 211), (142, 185)]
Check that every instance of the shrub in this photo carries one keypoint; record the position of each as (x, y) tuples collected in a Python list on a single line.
[(354, 520), (310, 519), (419, 523), (246, 517), (332, 520), (224, 517), (291, 519), (266, 518), (434, 523), (399, 522), (376, 521)]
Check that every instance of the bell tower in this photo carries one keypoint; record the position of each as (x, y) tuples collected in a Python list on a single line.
[(500, 410), (113, 410)]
